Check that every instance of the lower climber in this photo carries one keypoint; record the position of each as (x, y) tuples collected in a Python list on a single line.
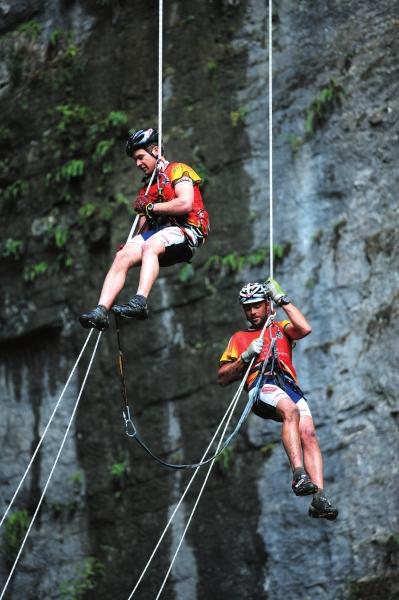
[(272, 382)]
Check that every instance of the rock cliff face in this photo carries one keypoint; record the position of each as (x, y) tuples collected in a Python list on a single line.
[(74, 77)]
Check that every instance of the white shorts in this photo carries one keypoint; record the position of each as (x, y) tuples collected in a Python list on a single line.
[(169, 236), (177, 248), (271, 394)]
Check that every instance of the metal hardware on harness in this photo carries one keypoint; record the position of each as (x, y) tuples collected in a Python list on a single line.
[(272, 352), (130, 429)]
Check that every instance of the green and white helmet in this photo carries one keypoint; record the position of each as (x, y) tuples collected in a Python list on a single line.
[(253, 292)]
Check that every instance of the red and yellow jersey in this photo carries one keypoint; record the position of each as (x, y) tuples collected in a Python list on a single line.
[(198, 217), (241, 340)]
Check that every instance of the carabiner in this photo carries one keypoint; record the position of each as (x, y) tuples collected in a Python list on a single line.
[(130, 429)]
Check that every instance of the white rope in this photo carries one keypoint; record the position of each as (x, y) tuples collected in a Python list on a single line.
[(45, 430), (53, 467), (270, 138), (268, 322), (194, 507), (160, 68), (233, 403), (229, 413), (133, 229), (160, 51)]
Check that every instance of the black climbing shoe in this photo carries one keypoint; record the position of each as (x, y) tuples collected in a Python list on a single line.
[(322, 509), (95, 319), (136, 308), (302, 485)]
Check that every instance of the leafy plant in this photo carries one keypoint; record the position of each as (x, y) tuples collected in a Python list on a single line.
[(67, 261), (225, 458), (211, 66), (118, 470), (106, 212), (76, 479), (32, 272), (186, 273), (322, 106), (63, 42), (117, 118), (72, 114), (31, 28), (238, 116), (85, 579), (71, 51), (12, 248), (295, 141), (67, 508), (14, 532), (70, 170), (87, 210), (107, 168), (234, 262), (281, 250), (61, 235), (103, 148), (16, 190), (55, 36)]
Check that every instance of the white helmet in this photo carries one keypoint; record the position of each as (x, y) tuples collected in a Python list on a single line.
[(253, 292)]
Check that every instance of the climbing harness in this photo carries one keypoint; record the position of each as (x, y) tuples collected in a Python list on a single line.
[(272, 370), (56, 458)]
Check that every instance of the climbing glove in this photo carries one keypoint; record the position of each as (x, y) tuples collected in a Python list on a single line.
[(254, 348), (143, 205), (276, 292)]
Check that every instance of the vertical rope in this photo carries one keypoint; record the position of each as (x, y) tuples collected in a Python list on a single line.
[(160, 49), (270, 139), (45, 430), (160, 68), (53, 468), (228, 415)]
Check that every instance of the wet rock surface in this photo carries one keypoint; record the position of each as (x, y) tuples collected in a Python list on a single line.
[(65, 186)]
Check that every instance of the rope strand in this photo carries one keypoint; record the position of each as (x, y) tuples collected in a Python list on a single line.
[(271, 274), (229, 413), (160, 68), (52, 469), (271, 138), (45, 430)]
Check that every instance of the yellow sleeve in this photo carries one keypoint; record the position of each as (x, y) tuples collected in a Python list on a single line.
[(285, 323), (180, 170), (231, 353)]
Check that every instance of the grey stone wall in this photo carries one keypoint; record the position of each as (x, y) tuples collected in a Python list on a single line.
[(335, 215)]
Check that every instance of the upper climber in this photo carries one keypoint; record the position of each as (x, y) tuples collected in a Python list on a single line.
[(173, 223)]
